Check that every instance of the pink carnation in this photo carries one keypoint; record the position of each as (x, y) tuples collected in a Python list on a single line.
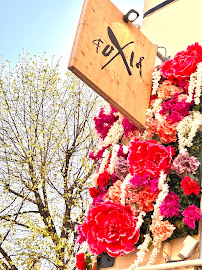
[(121, 168), (110, 227), (167, 90), (115, 192), (149, 157), (128, 126), (167, 131), (191, 215), (175, 109), (151, 127), (161, 230), (170, 206), (183, 164), (103, 121), (146, 200)]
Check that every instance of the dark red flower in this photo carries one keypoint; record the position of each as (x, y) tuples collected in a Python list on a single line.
[(94, 192), (149, 157), (190, 186), (80, 261), (110, 227), (103, 179)]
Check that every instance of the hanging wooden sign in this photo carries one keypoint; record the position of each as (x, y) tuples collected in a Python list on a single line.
[(114, 58)]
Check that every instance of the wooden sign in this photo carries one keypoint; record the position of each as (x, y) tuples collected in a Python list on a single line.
[(114, 58)]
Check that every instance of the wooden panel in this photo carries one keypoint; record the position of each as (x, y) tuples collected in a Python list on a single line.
[(114, 58)]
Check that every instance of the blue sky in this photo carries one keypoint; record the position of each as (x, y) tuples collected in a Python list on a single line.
[(49, 26)]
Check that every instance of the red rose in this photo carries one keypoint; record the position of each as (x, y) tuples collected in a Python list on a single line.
[(103, 179), (94, 192), (183, 64), (149, 157), (80, 261), (110, 227), (190, 186)]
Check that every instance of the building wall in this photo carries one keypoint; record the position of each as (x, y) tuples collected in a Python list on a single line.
[(175, 26)]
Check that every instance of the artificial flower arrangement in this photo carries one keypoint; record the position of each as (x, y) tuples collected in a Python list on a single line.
[(146, 184)]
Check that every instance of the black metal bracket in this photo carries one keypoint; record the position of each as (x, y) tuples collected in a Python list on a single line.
[(161, 56), (126, 16)]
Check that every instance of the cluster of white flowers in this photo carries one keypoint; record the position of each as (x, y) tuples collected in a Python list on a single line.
[(156, 107), (114, 134), (123, 188), (143, 249), (198, 84), (156, 75), (163, 186), (187, 129), (195, 84), (107, 109), (125, 149), (105, 159), (192, 86), (140, 220), (155, 252), (84, 248), (113, 160)]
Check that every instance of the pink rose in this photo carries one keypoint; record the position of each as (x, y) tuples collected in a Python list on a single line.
[(110, 227), (149, 157)]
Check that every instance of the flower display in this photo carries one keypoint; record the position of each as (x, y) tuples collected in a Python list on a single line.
[(143, 180), (183, 64), (170, 206), (191, 215), (80, 261), (94, 192), (175, 109), (115, 192), (161, 230), (149, 157), (103, 179), (183, 164), (104, 121), (190, 186), (110, 227), (146, 200), (121, 168), (167, 131), (167, 90)]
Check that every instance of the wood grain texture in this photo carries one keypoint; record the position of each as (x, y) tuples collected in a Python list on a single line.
[(129, 94)]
